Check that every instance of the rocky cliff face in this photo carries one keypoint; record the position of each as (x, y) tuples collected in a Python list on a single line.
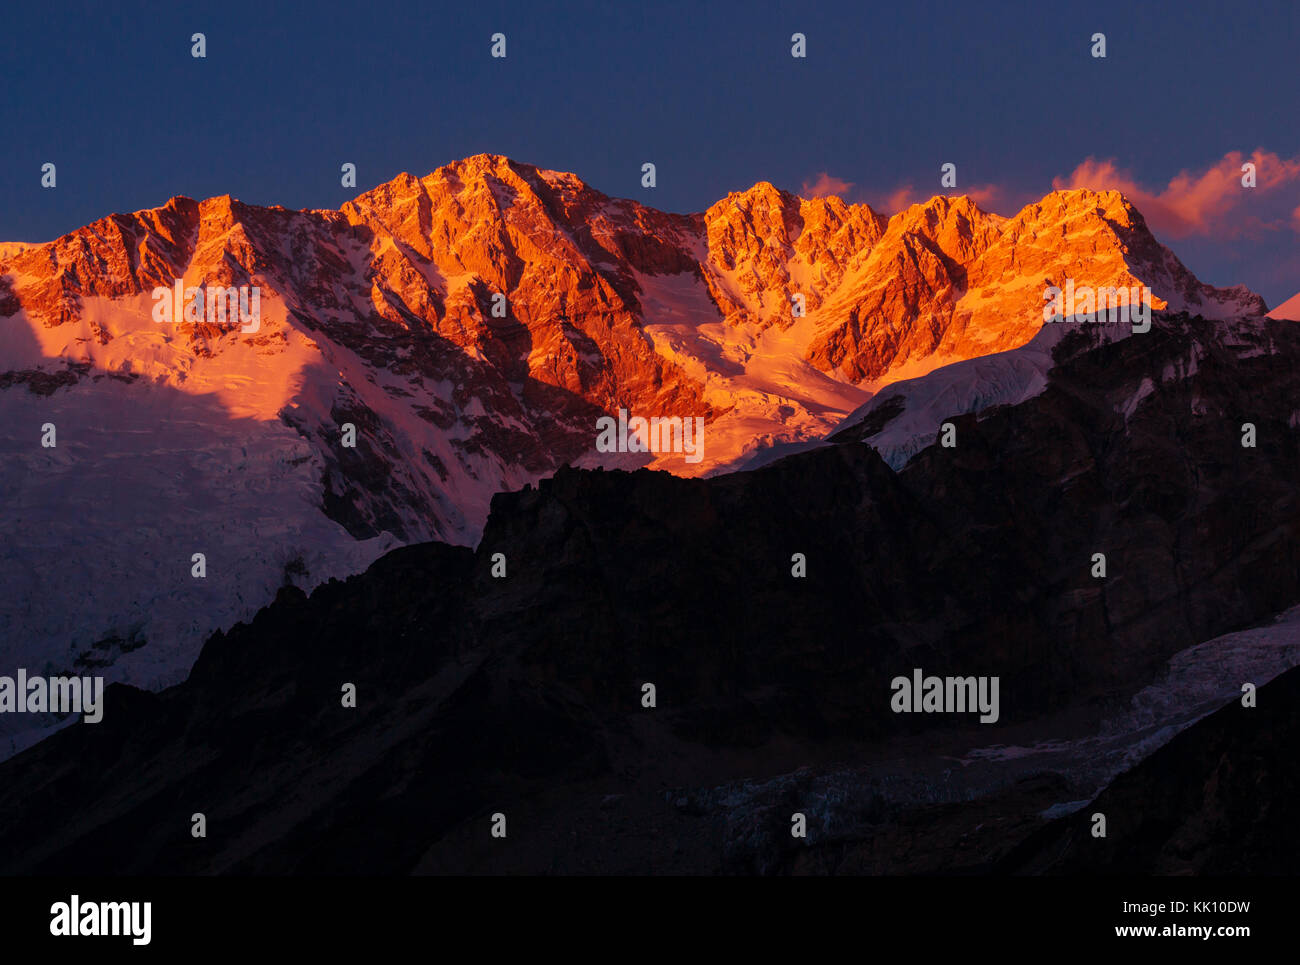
[(949, 282), (523, 694)]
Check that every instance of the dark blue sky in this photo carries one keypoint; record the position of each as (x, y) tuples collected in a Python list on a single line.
[(709, 92)]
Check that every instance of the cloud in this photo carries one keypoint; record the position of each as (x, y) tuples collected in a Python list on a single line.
[(901, 198), (1209, 202), (986, 195), (824, 185), (904, 196)]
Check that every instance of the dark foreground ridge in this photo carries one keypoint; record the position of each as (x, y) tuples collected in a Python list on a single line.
[(1219, 799), (523, 695)]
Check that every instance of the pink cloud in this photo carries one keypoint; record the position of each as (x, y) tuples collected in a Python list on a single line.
[(986, 195), (825, 185), (902, 198), (1209, 202), (906, 195)]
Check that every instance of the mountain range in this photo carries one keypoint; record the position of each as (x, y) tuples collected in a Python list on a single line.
[(472, 326)]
